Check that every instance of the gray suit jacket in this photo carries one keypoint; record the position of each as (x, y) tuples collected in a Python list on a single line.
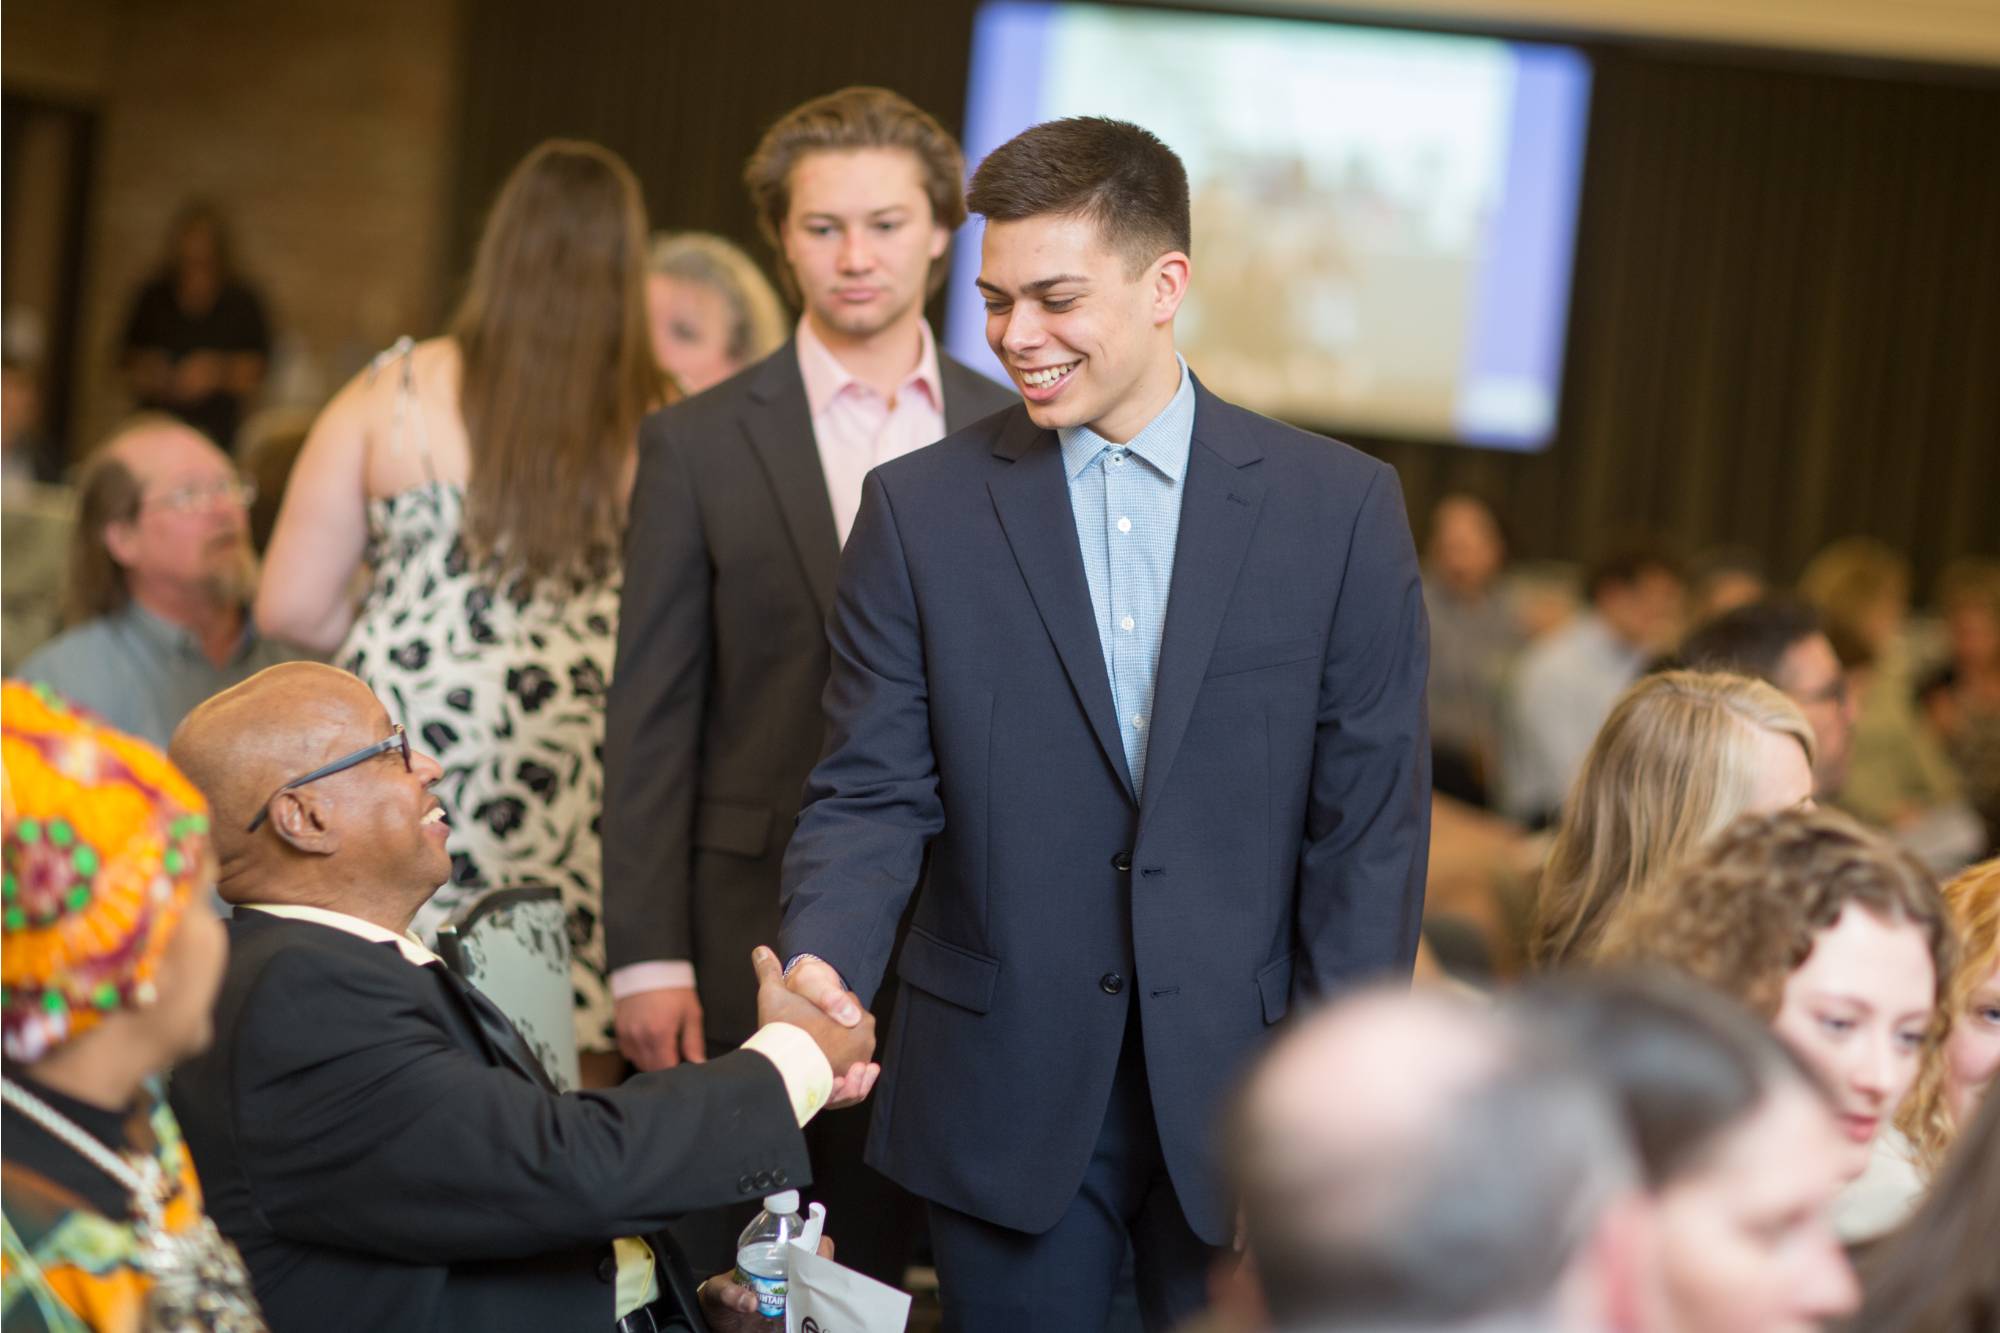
[(715, 713)]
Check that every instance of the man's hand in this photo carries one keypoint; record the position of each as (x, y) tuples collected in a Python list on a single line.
[(657, 1029), (818, 982), (731, 1307), (846, 1047)]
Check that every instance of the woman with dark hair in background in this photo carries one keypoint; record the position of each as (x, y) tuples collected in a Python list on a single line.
[(482, 478), (197, 343), (1737, 1144)]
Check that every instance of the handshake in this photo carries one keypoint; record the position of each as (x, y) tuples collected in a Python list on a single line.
[(812, 998)]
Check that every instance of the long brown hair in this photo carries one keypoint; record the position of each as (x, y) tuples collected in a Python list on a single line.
[(1671, 766), (558, 366)]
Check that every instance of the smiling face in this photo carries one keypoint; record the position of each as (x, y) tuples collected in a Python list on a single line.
[(1745, 1241), (860, 238), (1858, 1010), (1087, 339), (391, 829)]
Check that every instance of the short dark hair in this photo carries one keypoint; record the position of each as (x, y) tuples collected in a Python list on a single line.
[(1119, 176), (1627, 565), (1685, 1064), (1750, 640)]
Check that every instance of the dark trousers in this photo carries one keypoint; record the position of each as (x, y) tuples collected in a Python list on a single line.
[(994, 1278)]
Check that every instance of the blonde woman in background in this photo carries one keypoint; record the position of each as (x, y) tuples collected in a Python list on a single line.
[(710, 309), (1950, 1089), (1682, 754), (482, 478)]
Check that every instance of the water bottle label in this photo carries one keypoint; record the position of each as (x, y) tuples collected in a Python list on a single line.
[(770, 1290)]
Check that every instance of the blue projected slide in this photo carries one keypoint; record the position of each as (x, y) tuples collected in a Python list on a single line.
[(1383, 220)]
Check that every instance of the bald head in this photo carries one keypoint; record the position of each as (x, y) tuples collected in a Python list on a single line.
[(155, 444), (1396, 1128), (360, 841)]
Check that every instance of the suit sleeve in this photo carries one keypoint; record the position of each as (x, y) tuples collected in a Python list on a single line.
[(361, 1123), (871, 804), (1367, 840), (652, 734)]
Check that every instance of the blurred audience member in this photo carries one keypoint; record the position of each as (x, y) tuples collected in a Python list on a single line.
[(1949, 1090), (1474, 640), (1566, 683), (1965, 713), (1838, 938), (710, 309), (1736, 1142), (35, 518), (112, 959), (24, 449), (160, 574), (1723, 578), (1937, 1274), (483, 478), (1781, 642), (1898, 776), (196, 343), (269, 445), (1682, 754), (1411, 1161)]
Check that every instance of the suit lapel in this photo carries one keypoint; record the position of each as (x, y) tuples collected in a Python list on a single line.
[(778, 421), (1032, 501), (1218, 514)]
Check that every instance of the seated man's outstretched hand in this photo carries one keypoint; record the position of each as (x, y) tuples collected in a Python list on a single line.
[(847, 1046)]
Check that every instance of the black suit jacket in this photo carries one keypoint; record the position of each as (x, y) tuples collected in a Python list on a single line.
[(715, 715), (382, 1165)]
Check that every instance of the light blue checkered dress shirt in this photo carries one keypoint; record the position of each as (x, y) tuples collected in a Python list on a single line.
[(1127, 503)]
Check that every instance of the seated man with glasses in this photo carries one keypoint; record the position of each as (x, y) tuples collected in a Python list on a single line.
[(160, 578), (373, 1134)]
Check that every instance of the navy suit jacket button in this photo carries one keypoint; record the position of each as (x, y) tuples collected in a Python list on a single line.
[(1111, 983), (607, 1269), (1122, 861), (746, 1185), (778, 1176), (763, 1180)]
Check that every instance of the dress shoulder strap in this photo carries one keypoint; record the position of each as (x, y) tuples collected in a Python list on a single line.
[(402, 354)]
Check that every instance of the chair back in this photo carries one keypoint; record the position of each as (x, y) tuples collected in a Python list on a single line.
[(513, 944)]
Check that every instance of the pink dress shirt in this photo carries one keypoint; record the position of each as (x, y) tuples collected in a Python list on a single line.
[(855, 428)]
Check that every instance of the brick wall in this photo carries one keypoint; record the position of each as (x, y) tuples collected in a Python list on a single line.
[(324, 127)]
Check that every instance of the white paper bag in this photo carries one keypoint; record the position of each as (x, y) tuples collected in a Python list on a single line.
[(823, 1297)]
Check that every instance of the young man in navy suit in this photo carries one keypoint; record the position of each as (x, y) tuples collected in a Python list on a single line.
[(1132, 680)]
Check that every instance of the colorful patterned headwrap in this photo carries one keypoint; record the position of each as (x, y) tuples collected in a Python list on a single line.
[(104, 844)]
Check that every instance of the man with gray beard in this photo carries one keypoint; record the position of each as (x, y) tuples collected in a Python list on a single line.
[(161, 573)]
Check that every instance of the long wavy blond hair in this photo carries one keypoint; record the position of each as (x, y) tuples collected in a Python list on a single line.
[(1672, 765), (1973, 899)]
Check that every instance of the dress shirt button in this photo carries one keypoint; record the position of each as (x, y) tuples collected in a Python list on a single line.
[(607, 1269), (1117, 459), (1124, 525), (1111, 983), (1127, 623), (1122, 861), (1138, 721)]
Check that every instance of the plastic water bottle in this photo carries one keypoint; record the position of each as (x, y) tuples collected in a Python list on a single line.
[(763, 1252)]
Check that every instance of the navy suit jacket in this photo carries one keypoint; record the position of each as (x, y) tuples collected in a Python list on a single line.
[(1279, 848)]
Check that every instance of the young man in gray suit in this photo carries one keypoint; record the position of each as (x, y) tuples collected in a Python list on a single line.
[(1133, 680), (744, 495)]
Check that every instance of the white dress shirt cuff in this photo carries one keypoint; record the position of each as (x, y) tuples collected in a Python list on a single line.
[(638, 978), (808, 1077)]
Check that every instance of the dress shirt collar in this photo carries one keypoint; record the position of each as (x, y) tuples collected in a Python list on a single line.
[(826, 379), (168, 638), (1163, 443), (406, 943)]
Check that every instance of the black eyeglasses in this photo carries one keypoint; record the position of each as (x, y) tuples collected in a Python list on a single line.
[(396, 741)]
